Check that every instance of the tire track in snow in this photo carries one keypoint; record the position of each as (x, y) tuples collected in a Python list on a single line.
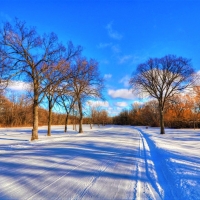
[(143, 172), (58, 179), (113, 167), (93, 180), (96, 180), (165, 175), (87, 183), (137, 184)]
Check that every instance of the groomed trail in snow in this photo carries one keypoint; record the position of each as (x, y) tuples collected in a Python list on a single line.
[(111, 162)]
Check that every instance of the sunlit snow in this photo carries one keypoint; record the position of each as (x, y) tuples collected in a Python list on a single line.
[(110, 162)]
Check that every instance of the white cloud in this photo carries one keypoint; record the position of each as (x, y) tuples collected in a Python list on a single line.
[(104, 61), (125, 80), (19, 85), (98, 103), (116, 49), (119, 109), (104, 45), (137, 103), (125, 58), (107, 76), (121, 104), (112, 33), (121, 93)]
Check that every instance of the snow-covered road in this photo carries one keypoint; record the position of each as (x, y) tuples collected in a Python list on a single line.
[(119, 162)]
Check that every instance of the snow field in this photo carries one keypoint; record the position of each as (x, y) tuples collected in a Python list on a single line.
[(111, 162), (98, 164), (177, 161)]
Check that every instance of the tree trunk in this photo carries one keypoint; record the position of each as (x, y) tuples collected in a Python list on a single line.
[(162, 127), (73, 120), (49, 121), (35, 112), (81, 116), (66, 122), (90, 124), (35, 121), (75, 124)]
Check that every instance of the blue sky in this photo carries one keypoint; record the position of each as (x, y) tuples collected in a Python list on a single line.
[(119, 34)]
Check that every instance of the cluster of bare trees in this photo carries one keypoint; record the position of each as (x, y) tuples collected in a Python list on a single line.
[(57, 73), (97, 115)]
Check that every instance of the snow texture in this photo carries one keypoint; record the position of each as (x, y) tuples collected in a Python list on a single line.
[(111, 162)]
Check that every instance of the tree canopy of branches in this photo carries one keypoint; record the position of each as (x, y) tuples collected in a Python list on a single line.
[(162, 79), (86, 83), (53, 83), (67, 101)]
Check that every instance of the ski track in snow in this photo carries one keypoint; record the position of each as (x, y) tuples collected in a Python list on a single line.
[(115, 162)]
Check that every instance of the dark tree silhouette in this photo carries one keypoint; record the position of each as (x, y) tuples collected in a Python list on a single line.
[(162, 79)]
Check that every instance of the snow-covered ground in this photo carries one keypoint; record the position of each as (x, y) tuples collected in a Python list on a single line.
[(111, 162)]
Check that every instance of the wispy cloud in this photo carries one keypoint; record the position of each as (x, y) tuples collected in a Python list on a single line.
[(113, 33), (116, 49), (121, 93), (137, 103), (121, 104), (125, 81), (132, 59), (125, 58), (98, 103), (19, 85), (104, 45), (107, 76), (104, 61)]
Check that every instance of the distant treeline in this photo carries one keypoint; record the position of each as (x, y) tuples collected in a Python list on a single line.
[(16, 111), (183, 111)]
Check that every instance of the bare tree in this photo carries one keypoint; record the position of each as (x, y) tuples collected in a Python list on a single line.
[(52, 83), (66, 97), (104, 117), (86, 83), (27, 52), (90, 113), (162, 79), (67, 101), (94, 112), (57, 84)]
